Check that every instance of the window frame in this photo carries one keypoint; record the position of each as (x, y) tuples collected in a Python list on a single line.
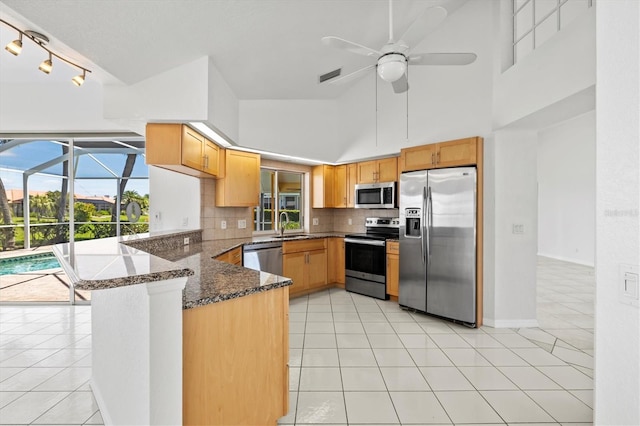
[(275, 205)]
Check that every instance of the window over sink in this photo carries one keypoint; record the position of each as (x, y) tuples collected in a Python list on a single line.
[(281, 198)]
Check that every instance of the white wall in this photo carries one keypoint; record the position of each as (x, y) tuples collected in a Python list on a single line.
[(617, 327), (566, 190), (53, 107), (510, 258), (173, 198), (560, 68), (223, 107)]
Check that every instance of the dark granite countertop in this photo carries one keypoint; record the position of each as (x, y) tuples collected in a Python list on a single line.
[(113, 262)]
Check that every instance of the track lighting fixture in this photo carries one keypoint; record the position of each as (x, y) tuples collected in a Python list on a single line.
[(40, 40), (15, 47), (46, 65), (78, 80)]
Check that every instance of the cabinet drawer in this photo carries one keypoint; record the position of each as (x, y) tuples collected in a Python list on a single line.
[(304, 245), (393, 247)]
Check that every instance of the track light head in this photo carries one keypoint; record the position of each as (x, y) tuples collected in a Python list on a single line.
[(15, 47), (46, 65), (78, 80)]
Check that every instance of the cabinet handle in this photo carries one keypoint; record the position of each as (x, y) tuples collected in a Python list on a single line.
[(438, 157), (432, 158)]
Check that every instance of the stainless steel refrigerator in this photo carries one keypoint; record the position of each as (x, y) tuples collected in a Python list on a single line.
[(438, 242)]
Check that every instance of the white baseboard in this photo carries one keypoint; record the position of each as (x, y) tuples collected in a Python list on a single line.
[(106, 417), (567, 259), (515, 323)]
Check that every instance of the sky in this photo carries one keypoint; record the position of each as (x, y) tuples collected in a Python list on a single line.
[(24, 157)]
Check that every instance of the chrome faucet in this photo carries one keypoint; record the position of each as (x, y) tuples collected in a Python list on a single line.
[(283, 223)]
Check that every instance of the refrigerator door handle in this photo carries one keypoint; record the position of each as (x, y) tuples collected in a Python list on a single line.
[(429, 223), (425, 206)]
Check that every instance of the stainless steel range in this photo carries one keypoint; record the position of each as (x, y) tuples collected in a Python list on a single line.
[(366, 257)]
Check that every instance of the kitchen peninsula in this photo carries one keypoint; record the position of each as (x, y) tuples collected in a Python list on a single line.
[(178, 337)]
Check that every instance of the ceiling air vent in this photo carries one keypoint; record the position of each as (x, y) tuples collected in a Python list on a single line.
[(330, 75)]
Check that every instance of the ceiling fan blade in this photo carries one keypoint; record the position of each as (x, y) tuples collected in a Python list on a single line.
[(351, 76), (442, 58), (401, 85), (423, 25), (340, 43)]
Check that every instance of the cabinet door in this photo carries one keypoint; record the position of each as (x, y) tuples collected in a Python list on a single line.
[(241, 185), (340, 186), (335, 260), (367, 172), (461, 152), (211, 156), (418, 157), (322, 186), (352, 178), (316, 268), (294, 267), (388, 169), (192, 148)]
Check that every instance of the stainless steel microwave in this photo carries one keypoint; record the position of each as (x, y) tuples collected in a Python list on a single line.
[(381, 195)]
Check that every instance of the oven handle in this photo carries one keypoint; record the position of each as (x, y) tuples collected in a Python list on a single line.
[(365, 242)]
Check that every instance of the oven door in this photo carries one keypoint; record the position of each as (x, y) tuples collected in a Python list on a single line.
[(366, 267)]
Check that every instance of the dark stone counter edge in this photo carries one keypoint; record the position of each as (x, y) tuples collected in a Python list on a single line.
[(222, 297), (131, 280)]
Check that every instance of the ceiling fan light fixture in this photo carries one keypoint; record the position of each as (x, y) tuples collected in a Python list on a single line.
[(392, 66), (46, 66), (15, 47)]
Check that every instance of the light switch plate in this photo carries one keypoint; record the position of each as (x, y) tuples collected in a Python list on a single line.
[(629, 285), (350, 221), (223, 224), (242, 224)]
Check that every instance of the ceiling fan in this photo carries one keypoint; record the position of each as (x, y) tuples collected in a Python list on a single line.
[(394, 57)]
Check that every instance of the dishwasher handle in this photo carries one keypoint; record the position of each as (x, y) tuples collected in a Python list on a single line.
[(262, 246)]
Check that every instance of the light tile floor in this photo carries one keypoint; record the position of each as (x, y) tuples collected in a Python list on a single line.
[(354, 360)]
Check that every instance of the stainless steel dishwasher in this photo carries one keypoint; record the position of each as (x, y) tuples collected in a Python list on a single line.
[(265, 257)]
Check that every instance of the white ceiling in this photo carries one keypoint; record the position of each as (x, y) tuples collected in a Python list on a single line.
[(265, 49)]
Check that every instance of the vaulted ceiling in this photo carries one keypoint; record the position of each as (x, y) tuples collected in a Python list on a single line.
[(264, 49)]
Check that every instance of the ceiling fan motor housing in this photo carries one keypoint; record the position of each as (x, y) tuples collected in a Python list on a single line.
[(392, 66)]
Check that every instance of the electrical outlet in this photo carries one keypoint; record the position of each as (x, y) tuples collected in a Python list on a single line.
[(242, 224), (517, 228), (186, 241), (223, 224), (350, 221), (316, 221)]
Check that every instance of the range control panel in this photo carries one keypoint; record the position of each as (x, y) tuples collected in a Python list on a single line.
[(386, 222)]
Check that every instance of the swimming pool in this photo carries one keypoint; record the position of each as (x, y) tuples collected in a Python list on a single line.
[(34, 262)]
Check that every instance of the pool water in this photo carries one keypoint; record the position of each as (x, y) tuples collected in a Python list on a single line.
[(21, 264)]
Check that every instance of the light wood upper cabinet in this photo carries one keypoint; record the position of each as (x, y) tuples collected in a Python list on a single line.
[(393, 268), (323, 181), (211, 158), (352, 179), (177, 147), (460, 152), (340, 186), (335, 260), (240, 186), (384, 170)]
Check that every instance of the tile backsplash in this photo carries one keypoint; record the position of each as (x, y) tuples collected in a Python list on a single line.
[(212, 217)]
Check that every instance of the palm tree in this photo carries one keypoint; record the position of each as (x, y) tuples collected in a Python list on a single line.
[(41, 205), (9, 233), (128, 169)]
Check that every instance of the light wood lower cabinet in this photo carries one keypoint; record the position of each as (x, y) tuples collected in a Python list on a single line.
[(305, 262), (335, 261), (393, 268), (235, 360), (232, 256)]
